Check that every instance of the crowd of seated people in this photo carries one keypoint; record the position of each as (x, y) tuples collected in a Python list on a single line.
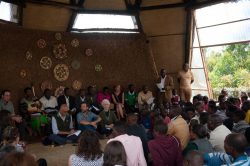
[(141, 130)]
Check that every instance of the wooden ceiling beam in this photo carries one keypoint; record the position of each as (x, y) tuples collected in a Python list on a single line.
[(193, 4), (201, 4), (73, 5), (175, 5), (16, 2), (56, 4)]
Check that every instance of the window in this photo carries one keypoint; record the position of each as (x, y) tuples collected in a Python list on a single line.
[(217, 31), (104, 23), (9, 12)]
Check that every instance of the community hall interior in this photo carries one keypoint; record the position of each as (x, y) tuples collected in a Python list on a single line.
[(124, 82)]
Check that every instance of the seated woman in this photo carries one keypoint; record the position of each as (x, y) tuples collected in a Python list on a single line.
[(108, 118), (88, 152), (114, 154), (11, 144), (199, 139), (30, 109), (20, 159), (11, 137), (103, 95), (118, 100)]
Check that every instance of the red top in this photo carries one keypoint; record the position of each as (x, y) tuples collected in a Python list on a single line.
[(166, 151)]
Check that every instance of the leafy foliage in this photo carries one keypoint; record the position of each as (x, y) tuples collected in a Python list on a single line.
[(231, 67)]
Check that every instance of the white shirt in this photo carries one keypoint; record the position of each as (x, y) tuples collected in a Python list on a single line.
[(54, 124), (163, 83), (217, 137), (51, 103), (83, 98), (67, 100), (196, 117)]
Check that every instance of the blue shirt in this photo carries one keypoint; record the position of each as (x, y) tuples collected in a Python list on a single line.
[(218, 159), (88, 116), (243, 160), (248, 151)]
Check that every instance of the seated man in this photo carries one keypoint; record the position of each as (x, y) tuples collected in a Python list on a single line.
[(137, 130), (199, 108), (240, 125), (235, 145), (91, 99), (49, 103), (145, 98), (178, 127), (247, 135), (67, 99), (212, 109), (165, 149), (6, 104), (86, 119), (194, 158), (218, 132), (81, 97), (62, 127)]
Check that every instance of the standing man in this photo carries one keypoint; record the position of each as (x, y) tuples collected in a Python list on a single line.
[(165, 85), (185, 78)]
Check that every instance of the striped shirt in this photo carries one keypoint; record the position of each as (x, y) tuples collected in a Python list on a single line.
[(218, 159)]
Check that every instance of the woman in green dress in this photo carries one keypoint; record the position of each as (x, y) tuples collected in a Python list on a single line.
[(31, 111)]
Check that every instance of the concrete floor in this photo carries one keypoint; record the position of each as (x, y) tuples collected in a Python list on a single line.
[(55, 156)]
